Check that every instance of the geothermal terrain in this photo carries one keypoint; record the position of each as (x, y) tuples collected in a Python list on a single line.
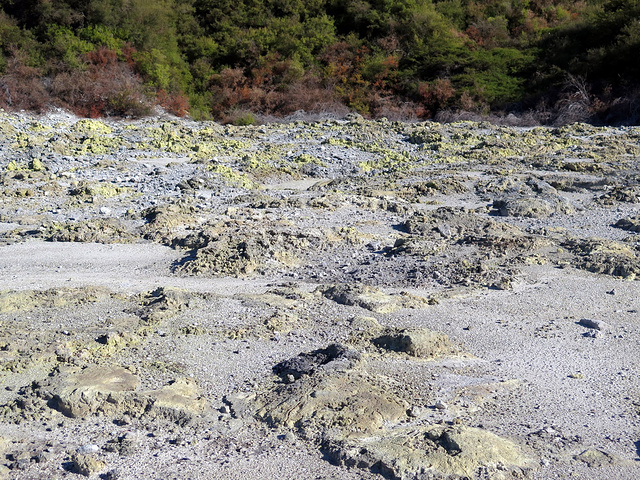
[(341, 299)]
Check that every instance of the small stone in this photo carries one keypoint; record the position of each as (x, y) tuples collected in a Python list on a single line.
[(105, 211), (289, 437), (440, 405), (291, 378)]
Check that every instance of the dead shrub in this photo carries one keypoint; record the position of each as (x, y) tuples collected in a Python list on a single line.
[(310, 95), (434, 96), (22, 87), (263, 94), (175, 104), (107, 87), (394, 108), (575, 104), (624, 109)]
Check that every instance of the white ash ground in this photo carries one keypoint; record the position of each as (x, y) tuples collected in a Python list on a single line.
[(182, 262)]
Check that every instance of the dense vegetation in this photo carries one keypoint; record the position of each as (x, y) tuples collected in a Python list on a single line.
[(563, 60)]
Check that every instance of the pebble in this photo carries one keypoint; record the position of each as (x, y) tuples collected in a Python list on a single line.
[(105, 211)]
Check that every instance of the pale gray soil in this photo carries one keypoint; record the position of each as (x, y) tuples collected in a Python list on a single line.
[(159, 279)]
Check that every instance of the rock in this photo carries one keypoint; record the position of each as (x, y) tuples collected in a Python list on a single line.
[(330, 393), (111, 390), (597, 458), (417, 342), (333, 357), (86, 449), (604, 256), (595, 324), (436, 451), (86, 465), (371, 298), (631, 224), (179, 401), (113, 475), (415, 411), (365, 327), (43, 457), (440, 405), (105, 389), (531, 207), (20, 464)]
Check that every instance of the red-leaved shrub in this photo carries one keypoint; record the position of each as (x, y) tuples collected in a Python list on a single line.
[(106, 87)]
